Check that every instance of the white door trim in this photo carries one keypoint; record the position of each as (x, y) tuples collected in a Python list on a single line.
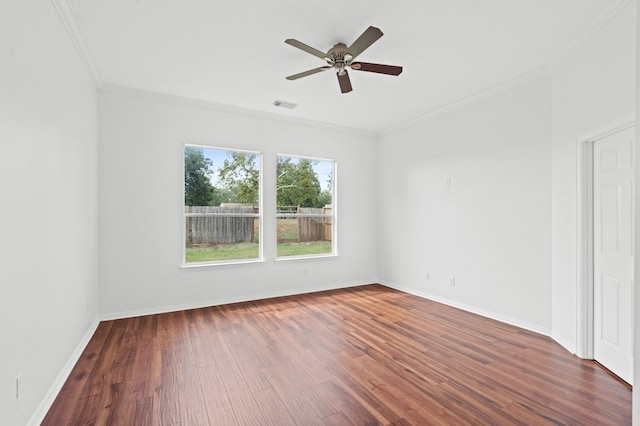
[(584, 290)]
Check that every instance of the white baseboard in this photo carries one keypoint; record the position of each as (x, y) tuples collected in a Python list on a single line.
[(569, 346), (54, 390), (226, 301), (473, 309)]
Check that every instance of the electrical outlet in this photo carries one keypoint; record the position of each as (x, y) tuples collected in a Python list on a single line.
[(426, 276), (306, 272), (452, 281), (18, 385)]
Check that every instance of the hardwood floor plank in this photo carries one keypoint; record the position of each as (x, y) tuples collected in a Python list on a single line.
[(216, 399), (144, 411), (245, 408), (273, 409), (365, 355), (338, 419), (370, 402), (398, 397), (299, 405), (229, 371), (181, 398), (342, 403)]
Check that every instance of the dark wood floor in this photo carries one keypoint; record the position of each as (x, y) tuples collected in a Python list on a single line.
[(363, 356)]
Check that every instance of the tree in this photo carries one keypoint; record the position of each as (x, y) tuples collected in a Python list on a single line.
[(298, 183), (326, 196), (240, 175), (198, 190), (222, 195)]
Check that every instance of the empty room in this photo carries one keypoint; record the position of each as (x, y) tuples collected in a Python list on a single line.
[(284, 213)]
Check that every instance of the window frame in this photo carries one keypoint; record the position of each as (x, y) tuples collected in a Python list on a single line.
[(259, 215), (333, 215)]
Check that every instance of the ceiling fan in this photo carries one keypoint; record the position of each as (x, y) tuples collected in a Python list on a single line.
[(340, 57)]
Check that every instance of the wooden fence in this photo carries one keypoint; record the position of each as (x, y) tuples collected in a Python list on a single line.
[(313, 224), (236, 223), (309, 227), (327, 222), (219, 225), (316, 226)]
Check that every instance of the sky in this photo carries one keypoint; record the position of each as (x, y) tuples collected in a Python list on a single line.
[(322, 168)]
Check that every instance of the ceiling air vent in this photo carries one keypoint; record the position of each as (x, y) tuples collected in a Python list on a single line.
[(284, 104)]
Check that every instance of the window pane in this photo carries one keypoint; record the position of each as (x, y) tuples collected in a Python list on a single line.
[(305, 211), (221, 205)]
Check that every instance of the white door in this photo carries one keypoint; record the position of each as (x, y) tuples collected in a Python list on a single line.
[(613, 252)]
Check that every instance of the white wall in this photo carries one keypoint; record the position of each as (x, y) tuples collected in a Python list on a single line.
[(592, 87), (636, 352), (141, 155), (491, 228), (48, 226)]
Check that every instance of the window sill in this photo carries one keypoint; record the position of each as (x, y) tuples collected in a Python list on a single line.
[(306, 257), (198, 265)]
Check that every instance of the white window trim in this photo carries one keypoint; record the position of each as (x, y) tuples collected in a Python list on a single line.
[(260, 259), (334, 215)]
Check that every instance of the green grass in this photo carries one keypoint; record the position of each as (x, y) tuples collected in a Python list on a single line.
[(287, 229), (239, 251), (303, 249), (220, 252)]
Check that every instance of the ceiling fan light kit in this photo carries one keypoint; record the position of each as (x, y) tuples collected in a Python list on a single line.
[(340, 57)]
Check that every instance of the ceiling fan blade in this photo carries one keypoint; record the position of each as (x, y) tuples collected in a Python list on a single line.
[(309, 72), (345, 82), (379, 68), (300, 45), (366, 39)]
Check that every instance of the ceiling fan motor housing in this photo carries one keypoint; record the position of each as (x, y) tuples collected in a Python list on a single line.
[(338, 57)]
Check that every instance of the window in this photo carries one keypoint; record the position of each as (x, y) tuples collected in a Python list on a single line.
[(305, 206), (222, 217)]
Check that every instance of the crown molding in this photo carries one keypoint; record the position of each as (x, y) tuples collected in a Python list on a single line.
[(231, 109), (70, 22), (473, 98), (609, 11), (615, 125)]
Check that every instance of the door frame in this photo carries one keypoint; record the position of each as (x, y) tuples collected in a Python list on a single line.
[(585, 256)]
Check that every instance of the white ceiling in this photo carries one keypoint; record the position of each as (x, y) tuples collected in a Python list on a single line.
[(233, 52)]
